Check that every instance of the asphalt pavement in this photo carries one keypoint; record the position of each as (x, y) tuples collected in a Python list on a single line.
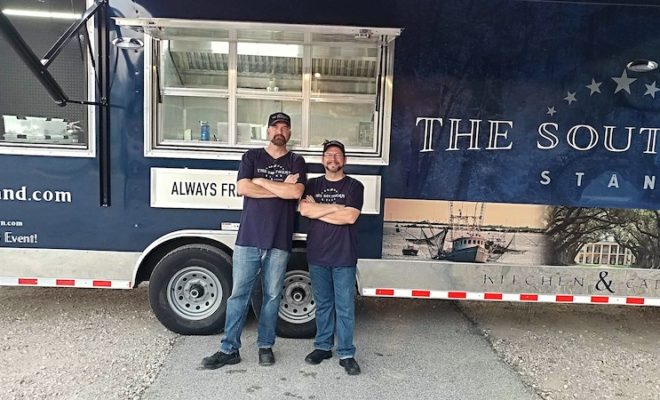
[(407, 349)]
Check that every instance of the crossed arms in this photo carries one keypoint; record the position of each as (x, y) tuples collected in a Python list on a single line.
[(335, 214), (262, 188)]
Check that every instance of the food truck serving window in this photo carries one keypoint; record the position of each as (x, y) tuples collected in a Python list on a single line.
[(211, 86), (31, 122)]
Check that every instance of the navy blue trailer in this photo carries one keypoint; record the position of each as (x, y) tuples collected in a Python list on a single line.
[(484, 103)]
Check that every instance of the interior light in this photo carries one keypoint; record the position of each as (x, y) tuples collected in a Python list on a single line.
[(642, 65), (220, 47), (270, 49), (259, 49), (317, 75), (40, 14)]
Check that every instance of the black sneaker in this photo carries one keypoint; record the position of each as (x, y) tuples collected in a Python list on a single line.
[(220, 359), (350, 365), (316, 356), (266, 357)]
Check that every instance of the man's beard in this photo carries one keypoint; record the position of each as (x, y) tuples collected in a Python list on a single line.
[(278, 140), (334, 167)]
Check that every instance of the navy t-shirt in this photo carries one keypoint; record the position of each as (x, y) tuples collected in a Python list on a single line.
[(268, 223), (331, 245)]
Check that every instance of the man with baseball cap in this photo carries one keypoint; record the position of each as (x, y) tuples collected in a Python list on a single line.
[(271, 180), (274, 118), (333, 202)]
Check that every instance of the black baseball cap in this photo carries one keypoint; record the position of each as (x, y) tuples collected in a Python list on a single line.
[(279, 117), (337, 143)]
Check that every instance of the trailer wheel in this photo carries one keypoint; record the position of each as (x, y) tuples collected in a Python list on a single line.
[(297, 313), (189, 288)]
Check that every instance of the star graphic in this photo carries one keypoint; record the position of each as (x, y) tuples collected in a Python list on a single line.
[(623, 82), (552, 111), (570, 98), (594, 87), (651, 89)]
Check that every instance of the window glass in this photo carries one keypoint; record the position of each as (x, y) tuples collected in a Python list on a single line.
[(195, 64), (29, 115), (345, 69), (252, 120), (182, 117), (328, 83), (350, 123), (270, 67)]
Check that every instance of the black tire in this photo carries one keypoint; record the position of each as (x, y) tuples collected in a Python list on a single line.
[(189, 288), (297, 315)]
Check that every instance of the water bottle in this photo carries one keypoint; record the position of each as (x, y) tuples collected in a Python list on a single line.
[(204, 131)]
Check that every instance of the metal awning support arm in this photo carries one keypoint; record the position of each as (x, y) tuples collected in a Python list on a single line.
[(30, 59), (73, 29), (39, 68)]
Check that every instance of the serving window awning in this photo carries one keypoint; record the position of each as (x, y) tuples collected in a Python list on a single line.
[(172, 29), (335, 81)]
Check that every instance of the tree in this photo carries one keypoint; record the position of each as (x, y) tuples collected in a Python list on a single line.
[(569, 228), (642, 237)]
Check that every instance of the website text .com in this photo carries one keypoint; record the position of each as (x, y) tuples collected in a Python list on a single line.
[(23, 194)]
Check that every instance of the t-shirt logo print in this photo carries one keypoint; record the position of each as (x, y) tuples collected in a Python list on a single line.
[(275, 172), (329, 195)]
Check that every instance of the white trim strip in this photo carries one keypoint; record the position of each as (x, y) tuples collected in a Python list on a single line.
[(652, 302), (514, 297), (65, 282)]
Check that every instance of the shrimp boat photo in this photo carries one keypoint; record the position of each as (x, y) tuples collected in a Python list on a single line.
[(471, 248), (460, 239)]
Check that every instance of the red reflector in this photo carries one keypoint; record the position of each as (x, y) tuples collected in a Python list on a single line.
[(634, 300), (65, 282), (529, 297), (564, 298), (493, 296), (384, 292), (600, 299), (101, 283), (421, 293), (27, 281), (456, 295)]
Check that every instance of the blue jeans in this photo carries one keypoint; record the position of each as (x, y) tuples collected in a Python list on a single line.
[(334, 294), (248, 261)]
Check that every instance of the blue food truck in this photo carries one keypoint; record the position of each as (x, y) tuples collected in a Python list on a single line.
[(508, 148)]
